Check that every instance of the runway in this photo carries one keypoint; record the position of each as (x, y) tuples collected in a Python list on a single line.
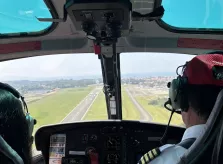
[(79, 112), (144, 115)]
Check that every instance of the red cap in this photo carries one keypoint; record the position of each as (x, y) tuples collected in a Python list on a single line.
[(200, 70)]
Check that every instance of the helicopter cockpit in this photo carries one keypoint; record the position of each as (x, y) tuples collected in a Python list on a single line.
[(108, 28), (110, 141)]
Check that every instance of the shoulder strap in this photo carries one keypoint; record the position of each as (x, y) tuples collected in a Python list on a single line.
[(148, 157), (187, 143)]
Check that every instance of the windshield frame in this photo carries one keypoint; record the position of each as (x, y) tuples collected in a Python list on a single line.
[(46, 31), (173, 29)]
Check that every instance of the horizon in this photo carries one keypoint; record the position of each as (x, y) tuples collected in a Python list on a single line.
[(78, 66), (123, 76)]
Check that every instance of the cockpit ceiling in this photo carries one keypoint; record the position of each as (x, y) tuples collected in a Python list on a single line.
[(145, 37), (143, 6)]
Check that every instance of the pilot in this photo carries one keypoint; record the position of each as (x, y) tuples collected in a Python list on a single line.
[(194, 93), (16, 127)]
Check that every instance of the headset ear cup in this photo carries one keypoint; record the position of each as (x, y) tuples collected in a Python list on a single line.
[(184, 100), (184, 105), (31, 122), (174, 94), (178, 94)]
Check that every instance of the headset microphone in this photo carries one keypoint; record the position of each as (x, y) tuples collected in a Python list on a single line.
[(168, 102)]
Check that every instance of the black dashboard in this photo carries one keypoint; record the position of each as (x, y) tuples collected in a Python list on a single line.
[(101, 142)]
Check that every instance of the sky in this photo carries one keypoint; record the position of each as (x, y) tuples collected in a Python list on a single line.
[(178, 13), (86, 65), (187, 14), (23, 13)]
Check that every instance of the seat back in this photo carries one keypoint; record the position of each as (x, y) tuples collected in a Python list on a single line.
[(201, 150)]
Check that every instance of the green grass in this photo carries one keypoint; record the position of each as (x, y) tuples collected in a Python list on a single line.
[(98, 110), (129, 110), (158, 113), (53, 108)]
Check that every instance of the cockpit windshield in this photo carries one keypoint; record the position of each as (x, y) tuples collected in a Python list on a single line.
[(194, 14), (186, 14), (21, 16), (70, 87)]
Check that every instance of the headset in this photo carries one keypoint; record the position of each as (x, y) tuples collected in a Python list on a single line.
[(4, 147), (178, 98)]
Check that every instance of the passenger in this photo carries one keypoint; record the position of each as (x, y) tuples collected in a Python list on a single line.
[(16, 128), (197, 91)]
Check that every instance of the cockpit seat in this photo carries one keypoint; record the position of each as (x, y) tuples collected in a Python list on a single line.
[(204, 149)]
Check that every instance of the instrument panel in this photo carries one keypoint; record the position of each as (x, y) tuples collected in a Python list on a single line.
[(107, 142)]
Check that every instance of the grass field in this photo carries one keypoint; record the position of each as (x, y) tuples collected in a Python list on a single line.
[(98, 109), (159, 113), (129, 110), (53, 108)]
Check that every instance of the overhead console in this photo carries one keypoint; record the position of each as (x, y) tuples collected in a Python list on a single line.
[(104, 21), (104, 142)]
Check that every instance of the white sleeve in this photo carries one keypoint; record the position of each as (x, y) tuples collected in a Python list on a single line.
[(170, 155)]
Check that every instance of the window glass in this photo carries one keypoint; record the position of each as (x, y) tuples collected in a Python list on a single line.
[(144, 85), (21, 16), (206, 14), (69, 88)]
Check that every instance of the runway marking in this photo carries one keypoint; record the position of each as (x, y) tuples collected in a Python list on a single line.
[(82, 101), (90, 106)]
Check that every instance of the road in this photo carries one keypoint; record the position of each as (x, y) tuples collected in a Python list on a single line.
[(79, 112), (144, 115)]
